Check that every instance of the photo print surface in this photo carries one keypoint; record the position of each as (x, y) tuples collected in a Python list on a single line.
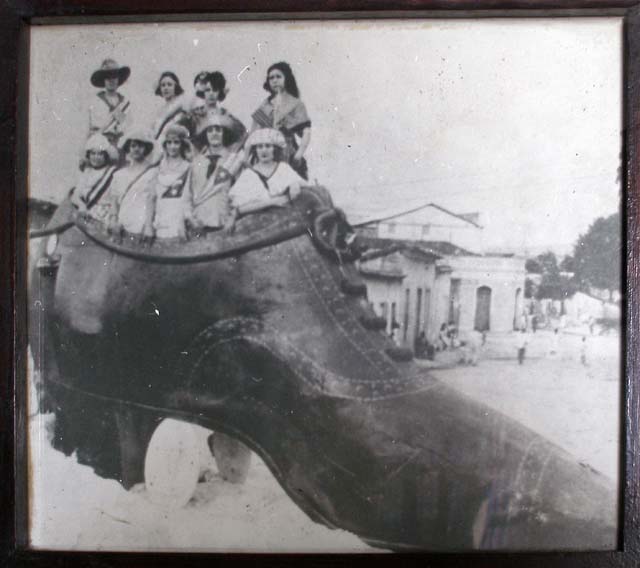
[(325, 286)]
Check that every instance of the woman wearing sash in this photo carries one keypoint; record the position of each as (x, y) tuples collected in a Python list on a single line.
[(165, 204), (284, 111), (128, 188), (109, 111), (93, 181), (207, 195), (173, 108), (269, 181)]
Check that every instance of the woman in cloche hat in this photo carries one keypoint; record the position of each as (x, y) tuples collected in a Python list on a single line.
[(109, 111), (165, 205), (211, 178), (94, 180), (269, 181), (128, 189)]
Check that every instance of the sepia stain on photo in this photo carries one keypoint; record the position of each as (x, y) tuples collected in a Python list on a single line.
[(325, 286)]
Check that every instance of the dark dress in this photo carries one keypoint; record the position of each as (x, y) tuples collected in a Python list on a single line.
[(291, 119)]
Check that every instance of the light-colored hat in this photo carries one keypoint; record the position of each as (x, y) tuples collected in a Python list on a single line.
[(109, 68), (266, 136), (216, 119), (139, 135), (101, 144), (195, 102), (176, 131)]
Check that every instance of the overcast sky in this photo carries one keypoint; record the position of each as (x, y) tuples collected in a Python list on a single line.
[(517, 119)]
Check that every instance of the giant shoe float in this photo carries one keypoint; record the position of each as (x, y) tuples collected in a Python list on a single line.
[(265, 335)]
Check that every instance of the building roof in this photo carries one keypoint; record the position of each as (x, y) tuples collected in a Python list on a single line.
[(467, 218), (436, 249)]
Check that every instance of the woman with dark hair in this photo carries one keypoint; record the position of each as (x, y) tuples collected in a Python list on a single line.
[(165, 205), (173, 108), (198, 86), (284, 110), (214, 91)]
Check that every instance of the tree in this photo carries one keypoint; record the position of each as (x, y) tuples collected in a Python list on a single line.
[(597, 255), (552, 284), (568, 264), (532, 265)]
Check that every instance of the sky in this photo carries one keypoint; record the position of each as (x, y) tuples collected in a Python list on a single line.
[(517, 119)]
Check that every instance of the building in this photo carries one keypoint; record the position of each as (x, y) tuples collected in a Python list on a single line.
[(417, 284)]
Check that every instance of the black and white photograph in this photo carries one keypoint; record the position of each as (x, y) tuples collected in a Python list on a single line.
[(325, 285)]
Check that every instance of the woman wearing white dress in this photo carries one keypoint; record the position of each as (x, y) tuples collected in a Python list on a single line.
[(165, 206), (128, 188), (269, 181)]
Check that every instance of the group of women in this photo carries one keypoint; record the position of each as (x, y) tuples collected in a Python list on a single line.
[(195, 166)]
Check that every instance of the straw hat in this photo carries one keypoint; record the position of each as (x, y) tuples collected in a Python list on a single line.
[(266, 136), (101, 144), (217, 119), (109, 68), (139, 135)]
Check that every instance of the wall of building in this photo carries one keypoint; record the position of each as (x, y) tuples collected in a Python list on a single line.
[(413, 300), (503, 276)]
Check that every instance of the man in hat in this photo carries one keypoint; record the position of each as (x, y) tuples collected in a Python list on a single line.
[(211, 174), (109, 111), (128, 189)]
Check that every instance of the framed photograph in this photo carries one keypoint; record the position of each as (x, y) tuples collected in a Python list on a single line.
[(321, 283)]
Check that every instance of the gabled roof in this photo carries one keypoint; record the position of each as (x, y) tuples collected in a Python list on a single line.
[(374, 221)]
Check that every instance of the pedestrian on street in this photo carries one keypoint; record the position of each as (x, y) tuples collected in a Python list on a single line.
[(555, 342), (583, 351), (522, 345)]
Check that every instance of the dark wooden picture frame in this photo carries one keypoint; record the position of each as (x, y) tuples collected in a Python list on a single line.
[(15, 19)]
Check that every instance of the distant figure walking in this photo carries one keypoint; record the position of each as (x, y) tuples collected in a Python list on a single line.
[(555, 342), (522, 342), (443, 340), (583, 351)]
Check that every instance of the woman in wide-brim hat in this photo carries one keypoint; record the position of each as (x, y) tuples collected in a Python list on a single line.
[(109, 70), (211, 173), (269, 181), (109, 111)]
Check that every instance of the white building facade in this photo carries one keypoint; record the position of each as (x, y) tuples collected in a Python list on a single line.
[(419, 284)]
